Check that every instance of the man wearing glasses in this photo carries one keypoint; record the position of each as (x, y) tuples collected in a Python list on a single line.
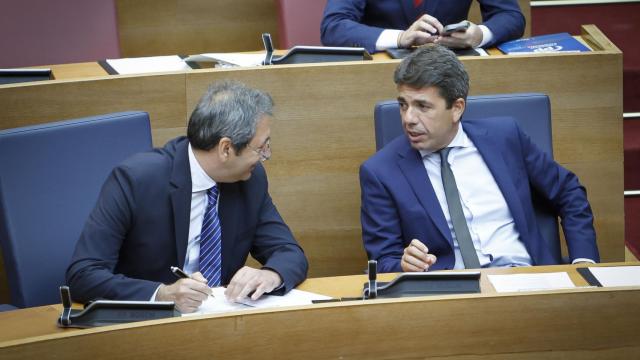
[(200, 203)]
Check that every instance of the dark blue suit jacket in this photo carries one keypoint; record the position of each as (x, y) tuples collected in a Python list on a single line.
[(359, 23), (140, 225), (399, 203)]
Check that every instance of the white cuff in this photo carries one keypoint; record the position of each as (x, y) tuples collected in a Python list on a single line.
[(487, 35), (582, 260), (153, 297), (388, 39)]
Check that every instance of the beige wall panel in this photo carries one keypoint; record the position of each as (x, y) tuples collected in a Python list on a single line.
[(160, 95), (166, 27)]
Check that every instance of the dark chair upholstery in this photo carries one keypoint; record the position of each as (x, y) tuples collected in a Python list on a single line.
[(50, 177), (531, 111)]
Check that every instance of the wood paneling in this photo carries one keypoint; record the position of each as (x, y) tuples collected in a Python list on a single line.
[(166, 27), (162, 96)]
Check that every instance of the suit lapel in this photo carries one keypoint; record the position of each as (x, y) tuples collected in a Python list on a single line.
[(413, 169), (181, 199), (228, 211), (495, 162)]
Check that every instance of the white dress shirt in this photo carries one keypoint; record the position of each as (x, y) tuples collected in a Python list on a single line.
[(491, 225), (200, 183)]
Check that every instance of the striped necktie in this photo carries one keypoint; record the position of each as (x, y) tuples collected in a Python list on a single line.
[(211, 241)]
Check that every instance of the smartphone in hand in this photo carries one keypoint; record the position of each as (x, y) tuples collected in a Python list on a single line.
[(462, 26)]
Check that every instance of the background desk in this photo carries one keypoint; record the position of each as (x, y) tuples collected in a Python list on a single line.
[(564, 324), (324, 130)]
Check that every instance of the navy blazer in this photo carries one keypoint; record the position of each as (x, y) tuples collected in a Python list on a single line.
[(399, 203), (140, 225), (358, 23)]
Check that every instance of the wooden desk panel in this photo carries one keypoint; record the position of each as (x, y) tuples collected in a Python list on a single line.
[(591, 323), (165, 27), (35, 103), (324, 131)]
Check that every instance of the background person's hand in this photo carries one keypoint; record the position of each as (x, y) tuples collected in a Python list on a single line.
[(423, 31), (416, 257), (188, 294), (249, 280), (470, 38)]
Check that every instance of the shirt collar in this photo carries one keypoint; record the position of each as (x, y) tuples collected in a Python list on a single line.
[(461, 140), (199, 179)]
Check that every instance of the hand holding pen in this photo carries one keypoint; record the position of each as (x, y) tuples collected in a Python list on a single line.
[(180, 274), (188, 293)]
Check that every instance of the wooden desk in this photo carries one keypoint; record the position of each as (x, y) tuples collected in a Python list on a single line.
[(581, 323), (324, 130)]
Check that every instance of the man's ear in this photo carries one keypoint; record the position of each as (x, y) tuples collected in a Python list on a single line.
[(225, 149), (458, 107)]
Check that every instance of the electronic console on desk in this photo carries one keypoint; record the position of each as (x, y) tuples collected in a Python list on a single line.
[(110, 312)]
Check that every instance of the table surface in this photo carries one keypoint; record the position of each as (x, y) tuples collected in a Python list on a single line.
[(41, 321)]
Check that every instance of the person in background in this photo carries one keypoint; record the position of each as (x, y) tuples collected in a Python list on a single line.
[(377, 25)]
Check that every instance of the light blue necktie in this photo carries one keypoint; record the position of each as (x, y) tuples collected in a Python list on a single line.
[(211, 241)]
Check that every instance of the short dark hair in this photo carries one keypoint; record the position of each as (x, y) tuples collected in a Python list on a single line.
[(434, 65), (228, 109)]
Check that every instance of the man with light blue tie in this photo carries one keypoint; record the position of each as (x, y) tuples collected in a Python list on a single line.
[(455, 195), (382, 24), (200, 203)]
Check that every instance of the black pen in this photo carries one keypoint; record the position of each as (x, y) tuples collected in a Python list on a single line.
[(180, 274)]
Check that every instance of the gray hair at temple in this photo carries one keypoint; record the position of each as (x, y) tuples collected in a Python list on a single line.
[(228, 109), (434, 65)]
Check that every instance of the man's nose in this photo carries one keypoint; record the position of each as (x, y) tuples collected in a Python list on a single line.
[(409, 117)]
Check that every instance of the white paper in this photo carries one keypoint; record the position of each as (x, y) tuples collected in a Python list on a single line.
[(234, 59), (531, 282), (148, 64), (617, 275), (219, 304)]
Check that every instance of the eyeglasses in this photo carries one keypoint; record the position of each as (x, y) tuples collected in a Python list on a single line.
[(264, 151)]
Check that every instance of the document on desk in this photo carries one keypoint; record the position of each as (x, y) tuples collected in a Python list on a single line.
[(229, 59), (531, 282), (148, 64), (617, 275), (219, 304)]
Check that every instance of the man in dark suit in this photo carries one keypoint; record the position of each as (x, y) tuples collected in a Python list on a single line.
[(381, 24), (200, 203), (458, 195)]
